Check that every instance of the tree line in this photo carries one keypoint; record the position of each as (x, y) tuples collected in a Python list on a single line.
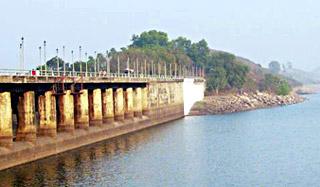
[(221, 69)]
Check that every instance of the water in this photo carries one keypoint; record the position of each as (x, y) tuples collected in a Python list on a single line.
[(269, 147)]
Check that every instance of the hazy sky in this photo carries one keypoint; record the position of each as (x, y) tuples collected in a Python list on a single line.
[(261, 30)]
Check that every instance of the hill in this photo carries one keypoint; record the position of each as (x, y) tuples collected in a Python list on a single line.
[(302, 76)]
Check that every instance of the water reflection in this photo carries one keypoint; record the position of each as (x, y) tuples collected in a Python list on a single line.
[(74, 167), (271, 147)]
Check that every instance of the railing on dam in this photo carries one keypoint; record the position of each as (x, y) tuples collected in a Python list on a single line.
[(88, 75)]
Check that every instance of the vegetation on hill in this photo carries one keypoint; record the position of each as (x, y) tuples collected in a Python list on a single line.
[(223, 71)]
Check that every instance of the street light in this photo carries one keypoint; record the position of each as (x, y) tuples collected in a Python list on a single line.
[(45, 56), (22, 53), (86, 61), (145, 67), (58, 71), (72, 62), (137, 68), (80, 60), (152, 68), (40, 60), (64, 58), (118, 60), (95, 63)]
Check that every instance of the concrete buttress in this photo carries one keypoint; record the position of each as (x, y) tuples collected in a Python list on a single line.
[(95, 107), (145, 104), (118, 105), (137, 102), (108, 106), (26, 117), (82, 110), (48, 115), (5, 120), (66, 112), (128, 103)]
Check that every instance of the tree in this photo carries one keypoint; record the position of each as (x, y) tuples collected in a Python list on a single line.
[(221, 68), (237, 75), (150, 38), (274, 67), (277, 85), (199, 52), (217, 79), (283, 88), (182, 44)]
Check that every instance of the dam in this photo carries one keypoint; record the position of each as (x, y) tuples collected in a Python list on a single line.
[(43, 115)]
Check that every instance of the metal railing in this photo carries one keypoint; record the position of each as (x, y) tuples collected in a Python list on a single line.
[(51, 73)]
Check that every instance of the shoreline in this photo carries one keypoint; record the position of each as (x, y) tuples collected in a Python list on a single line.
[(226, 104)]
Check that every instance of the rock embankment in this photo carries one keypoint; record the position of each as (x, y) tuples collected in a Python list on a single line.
[(244, 102)]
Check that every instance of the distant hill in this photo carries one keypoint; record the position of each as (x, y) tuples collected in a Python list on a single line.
[(257, 72), (316, 73), (302, 76)]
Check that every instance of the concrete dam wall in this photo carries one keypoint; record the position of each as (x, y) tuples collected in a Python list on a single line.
[(193, 91), (41, 118)]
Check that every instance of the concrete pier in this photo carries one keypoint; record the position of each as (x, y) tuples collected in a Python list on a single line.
[(129, 103), (118, 105), (82, 110), (26, 118), (145, 104), (95, 107), (137, 102), (108, 106), (6, 135), (66, 112), (47, 115)]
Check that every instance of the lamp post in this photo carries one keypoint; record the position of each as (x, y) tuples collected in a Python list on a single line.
[(45, 57), (128, 66), (165, 69), (108, 59), (152, 68), (58, 71), (40, 60), (86, 61), (108, 63), (145, 67), (95, 63), (175, 70), (22, 54), (72, 62), (118, 60), (63, 60), (137, 68), (80, 60)]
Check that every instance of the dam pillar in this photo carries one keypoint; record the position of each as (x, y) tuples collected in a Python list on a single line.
[(145, 105), (26, 118), (137, 103), (6, 135), (82, 110), (118, 105), (48, 115), (128, 103), (107, 106), (66, 112), (95, 107)]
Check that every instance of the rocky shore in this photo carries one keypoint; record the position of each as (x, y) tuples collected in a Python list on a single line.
[(244, 102)]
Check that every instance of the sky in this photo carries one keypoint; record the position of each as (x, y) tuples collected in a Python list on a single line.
[(260, 30)]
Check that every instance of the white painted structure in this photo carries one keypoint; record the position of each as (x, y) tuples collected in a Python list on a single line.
[(193, 91)]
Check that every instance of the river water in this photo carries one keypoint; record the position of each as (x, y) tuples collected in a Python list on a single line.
[(268, 147)]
